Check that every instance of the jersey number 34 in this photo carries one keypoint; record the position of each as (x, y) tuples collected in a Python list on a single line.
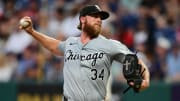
[(97, 75)]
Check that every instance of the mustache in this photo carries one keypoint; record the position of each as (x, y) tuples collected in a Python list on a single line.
[(99, 24)]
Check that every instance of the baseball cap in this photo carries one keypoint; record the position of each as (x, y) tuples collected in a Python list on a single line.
[(94, 9)]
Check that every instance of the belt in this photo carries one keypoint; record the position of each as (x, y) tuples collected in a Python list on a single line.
[(65, 99)]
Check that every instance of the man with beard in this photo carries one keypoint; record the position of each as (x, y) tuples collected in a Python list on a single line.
[(88, 58)]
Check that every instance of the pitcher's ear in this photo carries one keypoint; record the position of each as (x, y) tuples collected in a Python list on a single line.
[(82, 19)]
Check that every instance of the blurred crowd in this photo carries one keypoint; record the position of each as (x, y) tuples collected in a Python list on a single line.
[(149, 27)]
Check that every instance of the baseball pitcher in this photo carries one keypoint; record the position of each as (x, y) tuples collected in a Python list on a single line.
[(88, 58)]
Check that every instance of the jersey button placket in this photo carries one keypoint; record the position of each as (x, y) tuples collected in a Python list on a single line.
[(81, 68), (84, 79)]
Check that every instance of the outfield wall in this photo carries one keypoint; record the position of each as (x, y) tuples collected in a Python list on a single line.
[(53, 92)]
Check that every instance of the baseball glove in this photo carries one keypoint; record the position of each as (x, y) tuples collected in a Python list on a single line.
[(132, 72)]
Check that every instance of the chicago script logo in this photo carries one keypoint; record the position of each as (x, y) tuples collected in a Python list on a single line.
[(70, 55)]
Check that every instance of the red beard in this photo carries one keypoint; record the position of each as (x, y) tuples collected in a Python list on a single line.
[(92, 31)]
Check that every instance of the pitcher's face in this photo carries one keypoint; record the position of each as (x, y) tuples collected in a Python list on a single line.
[(92, 25)]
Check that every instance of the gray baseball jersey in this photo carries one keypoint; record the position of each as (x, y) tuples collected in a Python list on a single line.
[(87, 67)]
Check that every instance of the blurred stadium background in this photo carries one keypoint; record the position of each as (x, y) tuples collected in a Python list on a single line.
[(28, 72)]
